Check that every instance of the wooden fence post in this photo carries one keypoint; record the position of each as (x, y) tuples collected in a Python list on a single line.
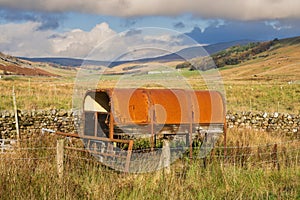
[(16, 113), (275, 157), (127, 164), (165, 157), (167, 153), (60, 158)]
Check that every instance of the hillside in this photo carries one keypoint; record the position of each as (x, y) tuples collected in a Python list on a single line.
[(254, 61), (10, 65), (283, 65), (280, 62), (270, 79), (240, 53), (265, 55), (187, 53)]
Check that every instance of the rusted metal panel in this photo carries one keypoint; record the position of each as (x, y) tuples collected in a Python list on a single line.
[(208, 107), (171, 106), (130, 106)]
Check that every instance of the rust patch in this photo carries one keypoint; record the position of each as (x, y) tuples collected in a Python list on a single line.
[(171, 106)]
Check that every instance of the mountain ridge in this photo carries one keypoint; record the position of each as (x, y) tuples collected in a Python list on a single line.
[(183, 54)]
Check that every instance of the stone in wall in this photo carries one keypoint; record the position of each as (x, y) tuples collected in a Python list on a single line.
[(32, 122), (264, 121)]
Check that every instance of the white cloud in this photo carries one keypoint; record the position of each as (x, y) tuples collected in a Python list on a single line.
[(228, 9), (140, 43), (27, 40), (100, 43), (277, 25), (78, 43), (24, 39)]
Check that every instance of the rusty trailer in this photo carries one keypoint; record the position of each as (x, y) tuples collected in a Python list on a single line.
[(113, 112), (120, 116)]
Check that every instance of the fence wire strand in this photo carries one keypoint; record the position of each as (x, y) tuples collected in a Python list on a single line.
[(263, 156)]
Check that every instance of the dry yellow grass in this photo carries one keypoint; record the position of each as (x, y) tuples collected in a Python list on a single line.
[(244, 174), (36, 93), (282, 65), (263, 84), (122, 68)]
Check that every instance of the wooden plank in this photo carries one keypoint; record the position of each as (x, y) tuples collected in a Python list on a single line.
[(127, 164)]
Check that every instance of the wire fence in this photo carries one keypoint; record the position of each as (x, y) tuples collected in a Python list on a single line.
[(54, 167), (268, 156)]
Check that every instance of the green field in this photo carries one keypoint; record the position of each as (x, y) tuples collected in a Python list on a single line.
[(244, 95)]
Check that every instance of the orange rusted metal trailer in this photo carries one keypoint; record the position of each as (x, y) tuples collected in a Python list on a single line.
[(111, 113), (113, 116)]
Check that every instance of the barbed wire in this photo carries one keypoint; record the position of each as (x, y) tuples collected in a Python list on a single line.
[(159, 149), (149, 150), (81, 158), (227, 147), (207, 157), (232, 157), (155, 150), (31, 158), (259, 145), (36, 148), (251, 155)]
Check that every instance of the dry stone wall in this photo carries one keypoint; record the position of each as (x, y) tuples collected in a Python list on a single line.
[(32, 122), (283, 122)]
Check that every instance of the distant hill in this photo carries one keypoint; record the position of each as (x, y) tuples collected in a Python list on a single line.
[(187, 53), (255, 52), (280, 63), (74, 62), (194, 52), (10, 65), (240, 53)]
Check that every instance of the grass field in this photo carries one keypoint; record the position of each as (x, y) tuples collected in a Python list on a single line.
[(245, 173), (243, 95), (268, 84), (258, 165)]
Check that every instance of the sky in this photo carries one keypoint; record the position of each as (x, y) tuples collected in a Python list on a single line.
[(75, 28)]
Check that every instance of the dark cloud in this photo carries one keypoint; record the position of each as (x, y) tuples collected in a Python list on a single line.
[(55, 36), (47, 20), (254, 30), (133, 32), (179, 25), (224, 9)]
